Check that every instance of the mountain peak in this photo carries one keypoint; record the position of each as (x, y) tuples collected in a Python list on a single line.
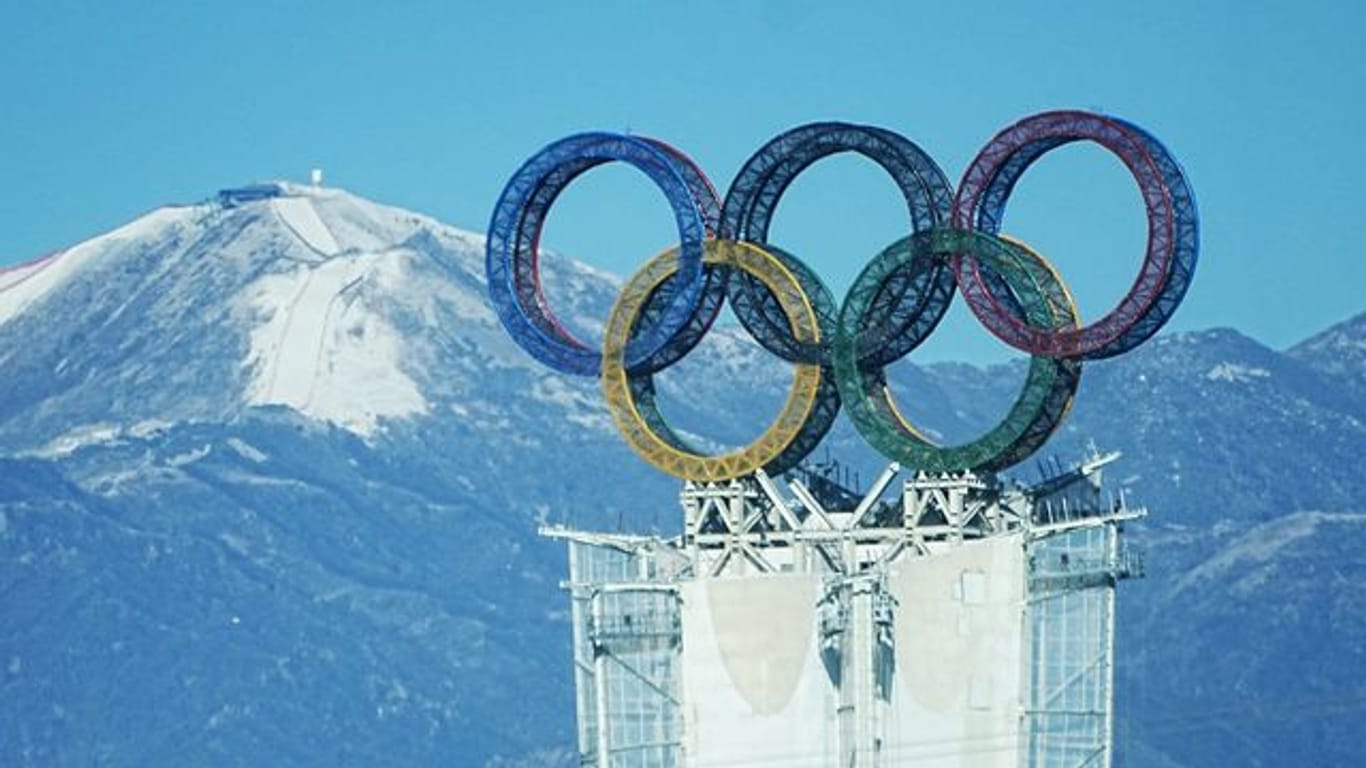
[(1350, 333), (273, 293), (1338, 353)]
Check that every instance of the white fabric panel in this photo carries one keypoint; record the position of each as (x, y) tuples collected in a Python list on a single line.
[(959, 657), (754, 691)]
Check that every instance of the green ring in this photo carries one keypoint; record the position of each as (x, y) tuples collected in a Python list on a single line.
[(1045, 398)]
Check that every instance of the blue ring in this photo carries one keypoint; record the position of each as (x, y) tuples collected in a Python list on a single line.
[(514, 230)]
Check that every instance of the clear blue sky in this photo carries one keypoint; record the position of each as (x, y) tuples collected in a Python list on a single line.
[(110, 109)]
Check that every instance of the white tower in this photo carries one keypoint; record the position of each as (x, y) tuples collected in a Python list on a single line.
[(964, 623)]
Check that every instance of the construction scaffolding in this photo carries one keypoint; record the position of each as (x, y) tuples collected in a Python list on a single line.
[(965, 622)]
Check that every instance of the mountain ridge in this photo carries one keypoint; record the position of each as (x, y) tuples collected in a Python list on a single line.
[(392, 601)]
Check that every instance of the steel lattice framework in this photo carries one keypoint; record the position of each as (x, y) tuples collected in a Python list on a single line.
[(1168, 262), (840, 349), (1035, 294)]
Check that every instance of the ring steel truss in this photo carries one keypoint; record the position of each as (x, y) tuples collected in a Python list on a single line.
[(840, 350)]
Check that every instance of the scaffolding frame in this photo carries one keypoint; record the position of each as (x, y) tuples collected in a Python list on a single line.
[(627, 622)]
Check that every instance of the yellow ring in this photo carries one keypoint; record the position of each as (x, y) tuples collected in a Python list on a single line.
[(616, 386)]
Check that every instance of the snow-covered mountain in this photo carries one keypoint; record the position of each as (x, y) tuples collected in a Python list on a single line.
[(270, 472), (1340, 353), (312, 299)]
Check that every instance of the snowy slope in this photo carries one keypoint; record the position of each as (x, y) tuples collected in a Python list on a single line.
[(28, 284), (321, 351)]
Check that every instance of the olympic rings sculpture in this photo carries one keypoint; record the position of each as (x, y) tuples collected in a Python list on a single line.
[(839, 350)]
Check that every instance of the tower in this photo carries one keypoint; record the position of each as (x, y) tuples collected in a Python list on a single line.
[(964, 621)]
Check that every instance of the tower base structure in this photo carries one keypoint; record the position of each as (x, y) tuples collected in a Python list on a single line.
[(967, 621)]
